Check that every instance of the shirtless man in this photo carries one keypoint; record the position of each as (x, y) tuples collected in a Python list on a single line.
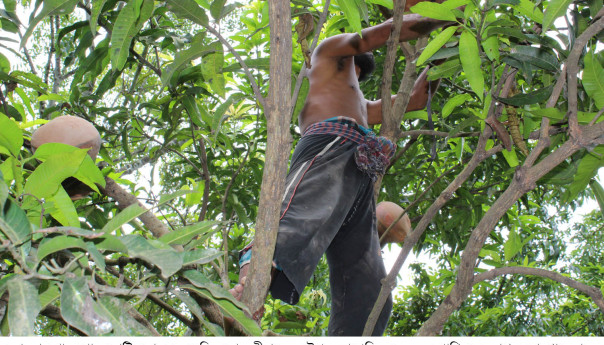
[(328, 206)]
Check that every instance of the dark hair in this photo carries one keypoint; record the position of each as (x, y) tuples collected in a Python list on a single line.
[(366, 63)]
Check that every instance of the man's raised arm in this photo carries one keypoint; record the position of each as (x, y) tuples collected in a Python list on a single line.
[(350, 44)]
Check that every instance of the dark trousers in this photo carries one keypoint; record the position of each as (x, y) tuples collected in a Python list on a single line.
[(329, 207)]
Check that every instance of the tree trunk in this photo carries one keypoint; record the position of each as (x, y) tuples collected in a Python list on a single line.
[(277, 152)]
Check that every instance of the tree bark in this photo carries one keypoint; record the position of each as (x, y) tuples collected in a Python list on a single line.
[(277, 151)]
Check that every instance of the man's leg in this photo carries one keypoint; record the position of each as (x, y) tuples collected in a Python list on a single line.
[(356, 271)]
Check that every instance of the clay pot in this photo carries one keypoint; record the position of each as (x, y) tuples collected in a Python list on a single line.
[(386, 213)]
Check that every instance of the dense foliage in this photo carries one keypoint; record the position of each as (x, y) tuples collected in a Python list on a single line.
[(175, 88)]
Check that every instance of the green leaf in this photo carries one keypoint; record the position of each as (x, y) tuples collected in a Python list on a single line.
[(216, 9), (352, 12), (593, 79), (434, 10), (49, 295), (528, 8), (97, 7), (386, 3), (11, 135), (58, 243), (98, 258), (539, 57), (115, 310), (225, 301), (79, 310), (188, 9), (111, 243), (554, 9), (64, 211), (523, 99), (219, 116), (15, 224), (470, 61), (23, 307), (511, 157), (588, 168), (10, 5), (196, 310), (598, 191), (129, 21), (435, 44), (201, 256), (446, 70), (211, 68), (184, 235), (184, 57), (491, 48), (158, 253), (4, 64), (513, 245), (51, 8), (46, 179), (190, 104), (454, 103), (126, 215)]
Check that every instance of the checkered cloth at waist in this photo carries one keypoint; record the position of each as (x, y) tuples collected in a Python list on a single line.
[(373, 153)]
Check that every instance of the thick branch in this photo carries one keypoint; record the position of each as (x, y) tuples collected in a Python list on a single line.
[(591, 291), (125, 199)]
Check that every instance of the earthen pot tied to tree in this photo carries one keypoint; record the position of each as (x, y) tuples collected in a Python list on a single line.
[(386, 213), (74, 131)]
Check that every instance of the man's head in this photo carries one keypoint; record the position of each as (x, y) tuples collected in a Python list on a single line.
[(366, 64)]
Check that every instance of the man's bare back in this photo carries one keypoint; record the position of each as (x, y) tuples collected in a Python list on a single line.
[(333, 79)]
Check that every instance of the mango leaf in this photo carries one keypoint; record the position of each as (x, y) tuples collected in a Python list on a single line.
[(225, 301), (435, 44), (511, 157), (79, 310), (23, 307), (55, 244), (64, 211), (386, 3), (216, 9), (184, 57), (352, 12), (454, 103), (434, 10), (532, 97), (49, 295), (598, 191), (15, 224), (219, 116), (554, 9), (98, 258), (539, 57), (211, 68), (513, 245), (129, 21), (491, 48), (446, 70), (88, 173), (11, 135), (115, 310), (156, 252), (126, 215), (46, 179), (196, 310), (470, 61), (593, 79), (188, 9), (51, 8), (528, 8), (190, 104), (587, 169), (111, 243), (185, 234), (201, 256), (97, 6)]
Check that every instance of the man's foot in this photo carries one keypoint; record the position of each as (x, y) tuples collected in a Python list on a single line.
[(237, 290)]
